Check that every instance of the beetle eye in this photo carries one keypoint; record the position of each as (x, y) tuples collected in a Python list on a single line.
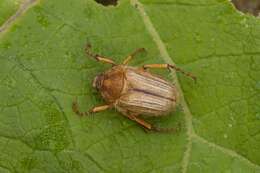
[(94, 84), (97, 81)]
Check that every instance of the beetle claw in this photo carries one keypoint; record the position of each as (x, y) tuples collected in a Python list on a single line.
[(146, 130), (90, 112), (88, 46), (76, 110), (166, 130)]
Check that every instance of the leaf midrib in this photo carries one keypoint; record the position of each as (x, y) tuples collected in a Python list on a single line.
[(191, 135), (25, 5)]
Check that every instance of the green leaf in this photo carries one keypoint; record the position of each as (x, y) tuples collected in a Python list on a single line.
[(44, 69), (7, 9)]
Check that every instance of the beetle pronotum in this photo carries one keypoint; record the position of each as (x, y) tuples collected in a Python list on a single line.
[(134, 91)]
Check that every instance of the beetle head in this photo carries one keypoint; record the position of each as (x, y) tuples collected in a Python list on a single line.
[(97, 82), (110, 83)]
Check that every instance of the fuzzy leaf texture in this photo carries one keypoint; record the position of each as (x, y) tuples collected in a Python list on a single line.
[(43, 69)]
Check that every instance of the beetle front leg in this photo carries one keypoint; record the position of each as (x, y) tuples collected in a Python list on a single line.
[(150, 127), (131, 56), (95, 109), (169, 66), (98, 57)]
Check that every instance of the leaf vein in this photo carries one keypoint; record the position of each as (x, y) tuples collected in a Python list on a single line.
[(225, 150), (23, 8), (191, 135), (166, 57)]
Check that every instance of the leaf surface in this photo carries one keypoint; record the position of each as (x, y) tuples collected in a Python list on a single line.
[(44, 69), (8, 8)]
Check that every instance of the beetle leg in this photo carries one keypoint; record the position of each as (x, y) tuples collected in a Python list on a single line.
[(131, 56), (75, 109), (95, 109), (98, 57), (167, 130), (140, 121), (149, 126), (99, 108), (169, 66)]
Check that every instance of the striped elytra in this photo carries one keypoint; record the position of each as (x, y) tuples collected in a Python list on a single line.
[(136, 91)]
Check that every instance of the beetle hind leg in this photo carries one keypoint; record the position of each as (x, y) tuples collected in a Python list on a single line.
[(98, 57), (141, 122), (150, 127), (167, 130)]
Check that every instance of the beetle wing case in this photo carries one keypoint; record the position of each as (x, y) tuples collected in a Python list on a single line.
[(146, 94)]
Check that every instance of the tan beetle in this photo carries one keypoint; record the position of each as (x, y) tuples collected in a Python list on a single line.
[(134, 91)]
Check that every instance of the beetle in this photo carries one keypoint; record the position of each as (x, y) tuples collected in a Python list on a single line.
[(134, 91)]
